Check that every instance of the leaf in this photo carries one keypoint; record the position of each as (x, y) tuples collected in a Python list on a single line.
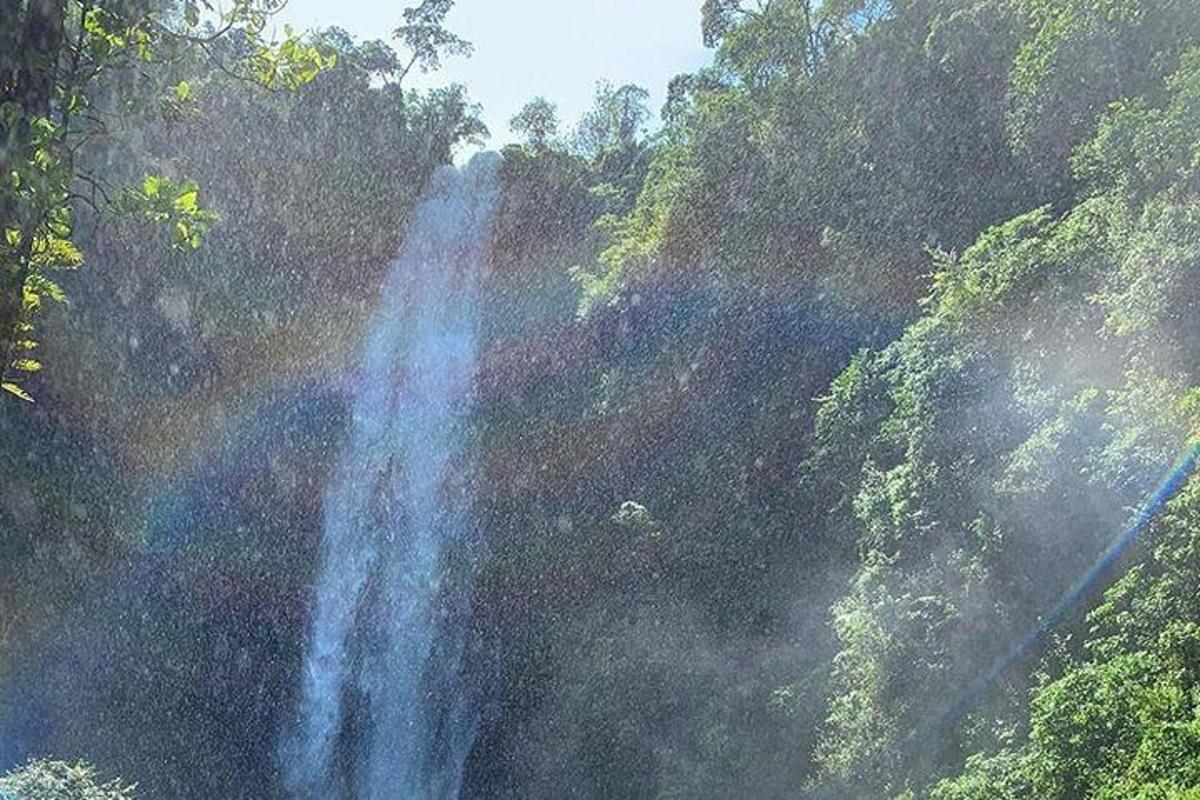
[(17, 391), (41, 286), (188, 202), (30, 300), (58, 253), (151, 185), (27, 364)]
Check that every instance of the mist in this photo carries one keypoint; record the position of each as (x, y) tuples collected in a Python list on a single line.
[(816, 422)]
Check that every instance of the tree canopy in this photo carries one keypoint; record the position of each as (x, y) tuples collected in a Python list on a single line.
[(810, 421)]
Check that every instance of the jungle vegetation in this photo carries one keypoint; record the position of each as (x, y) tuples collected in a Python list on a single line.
[(822, 384)]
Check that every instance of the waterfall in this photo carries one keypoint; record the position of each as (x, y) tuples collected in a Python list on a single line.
[(384, 712)]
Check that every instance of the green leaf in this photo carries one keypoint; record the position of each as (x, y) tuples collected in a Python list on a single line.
[(188, 202), (41, 286), (152, 185), (17, 391)]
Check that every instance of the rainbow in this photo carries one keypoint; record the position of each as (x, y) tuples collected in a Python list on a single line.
[(1167, 488)]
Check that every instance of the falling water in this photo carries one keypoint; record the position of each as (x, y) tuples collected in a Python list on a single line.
[(383, 712)]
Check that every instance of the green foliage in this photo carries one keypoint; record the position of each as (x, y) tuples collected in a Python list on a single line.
[(615, 122), (797, 132), (1000, 776), (174, 205), (631, 241), (1043, 237), (56, 780), (289, 64), (1086, 727), (537, 121), (1000, 419), (968, 229), (425, 36), (59, 60), (1166, 765), (1124, 45)]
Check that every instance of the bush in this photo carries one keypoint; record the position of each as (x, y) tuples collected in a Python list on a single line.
[(57, 780)]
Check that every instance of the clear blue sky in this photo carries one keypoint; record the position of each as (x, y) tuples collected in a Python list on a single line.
[(555, 48)]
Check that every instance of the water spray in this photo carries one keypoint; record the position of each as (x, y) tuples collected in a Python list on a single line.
[(1166, 489)]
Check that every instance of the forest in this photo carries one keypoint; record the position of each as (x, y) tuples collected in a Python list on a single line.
[(830, 430)]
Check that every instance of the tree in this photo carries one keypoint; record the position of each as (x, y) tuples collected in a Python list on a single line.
[(537, 121), (718, 18), (769, 39), (616, 120), (57, 59), (426, 37)]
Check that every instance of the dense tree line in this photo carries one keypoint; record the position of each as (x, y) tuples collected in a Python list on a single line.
[(800, 409), (993, 199)]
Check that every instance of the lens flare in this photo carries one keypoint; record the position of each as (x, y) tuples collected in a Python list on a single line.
[(1167, 488)]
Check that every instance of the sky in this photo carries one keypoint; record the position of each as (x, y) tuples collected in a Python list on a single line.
[(555, 48)]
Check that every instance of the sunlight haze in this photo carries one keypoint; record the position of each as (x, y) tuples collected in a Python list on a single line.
[(833, 434)]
